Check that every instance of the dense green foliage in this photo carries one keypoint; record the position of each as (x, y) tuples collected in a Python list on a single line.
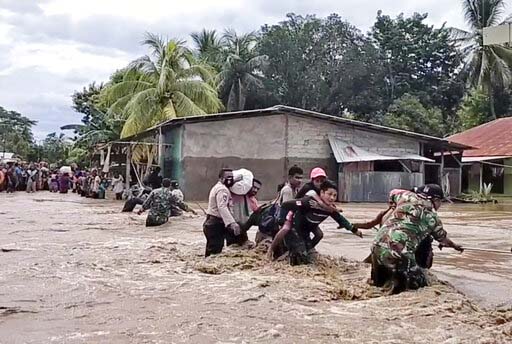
[(15, 132), (403, 73)]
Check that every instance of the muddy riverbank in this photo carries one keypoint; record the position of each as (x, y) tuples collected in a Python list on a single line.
[(78, 271)]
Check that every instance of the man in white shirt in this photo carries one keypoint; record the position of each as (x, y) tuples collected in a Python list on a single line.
[(290, 189)]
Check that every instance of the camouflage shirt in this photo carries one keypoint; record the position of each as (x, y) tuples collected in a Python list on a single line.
[(411, 222), (160, 201)]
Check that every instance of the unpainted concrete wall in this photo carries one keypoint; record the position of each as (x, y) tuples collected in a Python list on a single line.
[(255, 143), (308, 143), (268, 146)]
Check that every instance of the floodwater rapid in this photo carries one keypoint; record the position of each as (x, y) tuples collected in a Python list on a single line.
[(75, 270)]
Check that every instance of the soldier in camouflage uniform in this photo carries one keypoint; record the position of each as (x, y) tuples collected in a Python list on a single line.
[(160, 202), (413, 220)]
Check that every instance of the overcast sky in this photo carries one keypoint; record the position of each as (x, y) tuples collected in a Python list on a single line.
[(49, 48)]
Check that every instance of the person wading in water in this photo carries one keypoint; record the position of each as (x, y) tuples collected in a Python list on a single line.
[(220, 224), (160, 202)]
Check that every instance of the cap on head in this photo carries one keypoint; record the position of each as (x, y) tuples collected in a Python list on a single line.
[(317, 172), (430, 191), (174, 183)]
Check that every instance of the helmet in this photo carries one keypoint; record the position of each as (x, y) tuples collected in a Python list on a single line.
[(317, 172), (430, 191)]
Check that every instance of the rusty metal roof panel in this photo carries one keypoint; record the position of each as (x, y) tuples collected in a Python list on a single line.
[(490, 139), (345, 152)]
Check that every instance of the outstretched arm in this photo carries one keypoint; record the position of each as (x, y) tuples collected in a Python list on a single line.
[(375, 222), (344, 223), (147, 203), (447, 242)]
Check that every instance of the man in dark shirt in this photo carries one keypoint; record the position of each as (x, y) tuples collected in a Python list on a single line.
[(154, 180), (303, 218)]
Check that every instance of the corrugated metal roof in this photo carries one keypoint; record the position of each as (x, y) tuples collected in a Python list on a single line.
[(490, 139), (280, 109), (345, 152)]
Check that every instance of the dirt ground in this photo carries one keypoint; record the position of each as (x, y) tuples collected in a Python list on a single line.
[(75, 270)]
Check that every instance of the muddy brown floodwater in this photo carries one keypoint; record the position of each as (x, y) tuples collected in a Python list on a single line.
[(75, 270)]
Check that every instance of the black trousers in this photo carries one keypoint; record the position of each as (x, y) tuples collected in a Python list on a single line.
[(215, 232), (297, 248)]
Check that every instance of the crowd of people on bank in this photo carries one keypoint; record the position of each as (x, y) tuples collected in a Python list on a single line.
[(32, 177)]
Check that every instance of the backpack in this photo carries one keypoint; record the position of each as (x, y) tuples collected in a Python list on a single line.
[(269, 220)]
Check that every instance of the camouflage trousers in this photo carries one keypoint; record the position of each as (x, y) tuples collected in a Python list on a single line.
[(155, 220), (398, 271)]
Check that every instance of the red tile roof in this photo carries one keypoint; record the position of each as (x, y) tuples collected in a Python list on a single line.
[(490, 139)]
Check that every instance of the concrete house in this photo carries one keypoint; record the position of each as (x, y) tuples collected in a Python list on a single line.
[(366, 160), (491, 161)]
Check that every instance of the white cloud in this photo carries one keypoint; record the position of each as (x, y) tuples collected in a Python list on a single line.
[(49, 48), (62, 59)]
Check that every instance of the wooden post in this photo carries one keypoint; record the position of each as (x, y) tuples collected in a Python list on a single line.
[(441, 168), (128, 164), (481, 177), (161, 151)]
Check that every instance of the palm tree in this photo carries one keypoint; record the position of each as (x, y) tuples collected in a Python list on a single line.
[(209, 47), (487, 66), (241, 70), (168, 84)]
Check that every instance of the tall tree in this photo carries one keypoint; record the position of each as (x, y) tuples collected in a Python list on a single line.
[(241, 71), (15, 132), (208, 46), (419, 60), (488, 66), (408, 113), (168, 84), (97, 126), (475, 109), (55, 148), (87, 100), (303, 54)]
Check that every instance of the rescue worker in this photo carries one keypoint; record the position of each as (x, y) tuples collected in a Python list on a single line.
[(220, 224), (424, 254), (154, 180), (159, 202), (291, 187), (135, 196), (175, 190), (303, 218), (394, 262)]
